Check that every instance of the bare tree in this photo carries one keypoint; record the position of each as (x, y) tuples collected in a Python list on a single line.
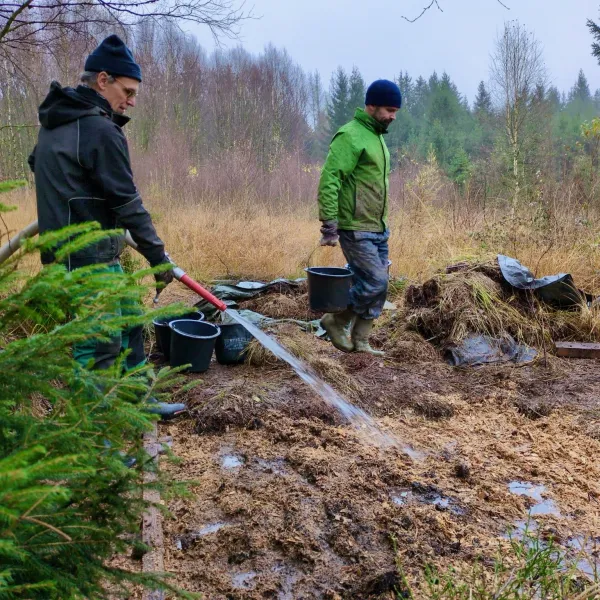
[(22, 22), (436, 4), (517, 68)]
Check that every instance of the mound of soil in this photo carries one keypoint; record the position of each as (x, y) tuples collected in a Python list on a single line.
[(475, 299)]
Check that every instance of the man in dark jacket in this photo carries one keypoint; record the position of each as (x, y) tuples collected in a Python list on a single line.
[(83, 173)]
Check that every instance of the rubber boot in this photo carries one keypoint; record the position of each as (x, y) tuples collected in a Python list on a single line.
[(335, 325), (360, 336), (127, 460), (166, 410)]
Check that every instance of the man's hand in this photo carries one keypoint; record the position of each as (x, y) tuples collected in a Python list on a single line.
[(164, 278), (329, 233)]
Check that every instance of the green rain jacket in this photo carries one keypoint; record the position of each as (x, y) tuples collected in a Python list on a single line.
[(353, 189)]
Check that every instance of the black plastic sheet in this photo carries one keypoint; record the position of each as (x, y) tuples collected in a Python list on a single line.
[(557, 290), (477, 350)]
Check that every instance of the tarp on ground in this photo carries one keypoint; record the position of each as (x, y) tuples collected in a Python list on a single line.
[(476, 350), (233, 292), (557, 290)]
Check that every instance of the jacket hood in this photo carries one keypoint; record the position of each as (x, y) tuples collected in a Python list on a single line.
[(64, 104)]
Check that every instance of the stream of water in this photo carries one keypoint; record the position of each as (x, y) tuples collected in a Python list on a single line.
[(357, 417)]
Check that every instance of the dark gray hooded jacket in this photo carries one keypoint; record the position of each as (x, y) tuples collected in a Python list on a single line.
[(83, 173)]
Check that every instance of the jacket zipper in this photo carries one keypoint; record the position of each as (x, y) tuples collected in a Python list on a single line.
[(384, 184)]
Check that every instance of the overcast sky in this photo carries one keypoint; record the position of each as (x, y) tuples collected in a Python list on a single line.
[(322, 34)]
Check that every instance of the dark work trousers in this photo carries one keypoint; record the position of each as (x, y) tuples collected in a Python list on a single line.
[(104, 354), (367, 256)]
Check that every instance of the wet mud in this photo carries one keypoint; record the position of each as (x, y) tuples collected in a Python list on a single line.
[(289, 502)]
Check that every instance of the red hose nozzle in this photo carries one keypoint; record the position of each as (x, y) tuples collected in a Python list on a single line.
[(180, 275)]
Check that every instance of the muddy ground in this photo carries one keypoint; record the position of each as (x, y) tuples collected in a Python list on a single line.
[(291, 502)]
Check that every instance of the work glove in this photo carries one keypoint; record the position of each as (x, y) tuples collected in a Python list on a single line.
[(329, 233), (164, 278)]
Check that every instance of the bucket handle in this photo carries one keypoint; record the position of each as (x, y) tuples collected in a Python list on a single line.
[(307, 263)]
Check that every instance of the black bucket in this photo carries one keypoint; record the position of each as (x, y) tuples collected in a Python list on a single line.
[(232, 344), (192, 342), (328, 288), (162, 331)]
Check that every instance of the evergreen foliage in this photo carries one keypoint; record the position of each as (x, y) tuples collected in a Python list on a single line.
[(357, 91), (338, 108), (581, 90), (482, 106), (595, 31), (67, 501)]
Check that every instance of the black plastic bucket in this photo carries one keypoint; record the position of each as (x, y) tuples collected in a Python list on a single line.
[(162, 331), (192, 342), (328, 288), (232, 344)]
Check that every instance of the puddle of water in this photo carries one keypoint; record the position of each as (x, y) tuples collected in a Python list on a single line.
[(211, 528), (405, 496), (524, 488), (243, 580), (276, 466), (402, 497), (587, 555), (581, 552), (359, 418), (186, 540), (231, 461), (441, 501), (520, 528), (289, 578), (543, 506)]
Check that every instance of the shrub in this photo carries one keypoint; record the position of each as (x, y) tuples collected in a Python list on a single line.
[(68, 503)]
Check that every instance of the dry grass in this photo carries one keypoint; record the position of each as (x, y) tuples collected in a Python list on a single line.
[(448, 308), (310, 350), (238, 237)]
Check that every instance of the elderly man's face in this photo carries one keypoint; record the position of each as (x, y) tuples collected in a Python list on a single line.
[(386, 115), (121, 92)]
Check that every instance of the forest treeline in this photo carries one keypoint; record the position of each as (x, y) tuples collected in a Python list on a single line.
[(259, 112)]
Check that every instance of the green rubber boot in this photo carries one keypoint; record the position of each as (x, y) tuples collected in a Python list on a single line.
[(360, 336), (335, 325)]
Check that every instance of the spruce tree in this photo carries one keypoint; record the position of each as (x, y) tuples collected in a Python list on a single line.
[(595, 31), (405, 84), (357, 91), (553, 98), (581, 90), (420, 96), (67, 501), (339, 97), (482, 108)]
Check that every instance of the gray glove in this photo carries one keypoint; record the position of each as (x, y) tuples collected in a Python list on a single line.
[(329, 233), (164, 278)]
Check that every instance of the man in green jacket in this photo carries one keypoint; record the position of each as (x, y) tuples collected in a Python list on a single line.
[(353, 208)]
